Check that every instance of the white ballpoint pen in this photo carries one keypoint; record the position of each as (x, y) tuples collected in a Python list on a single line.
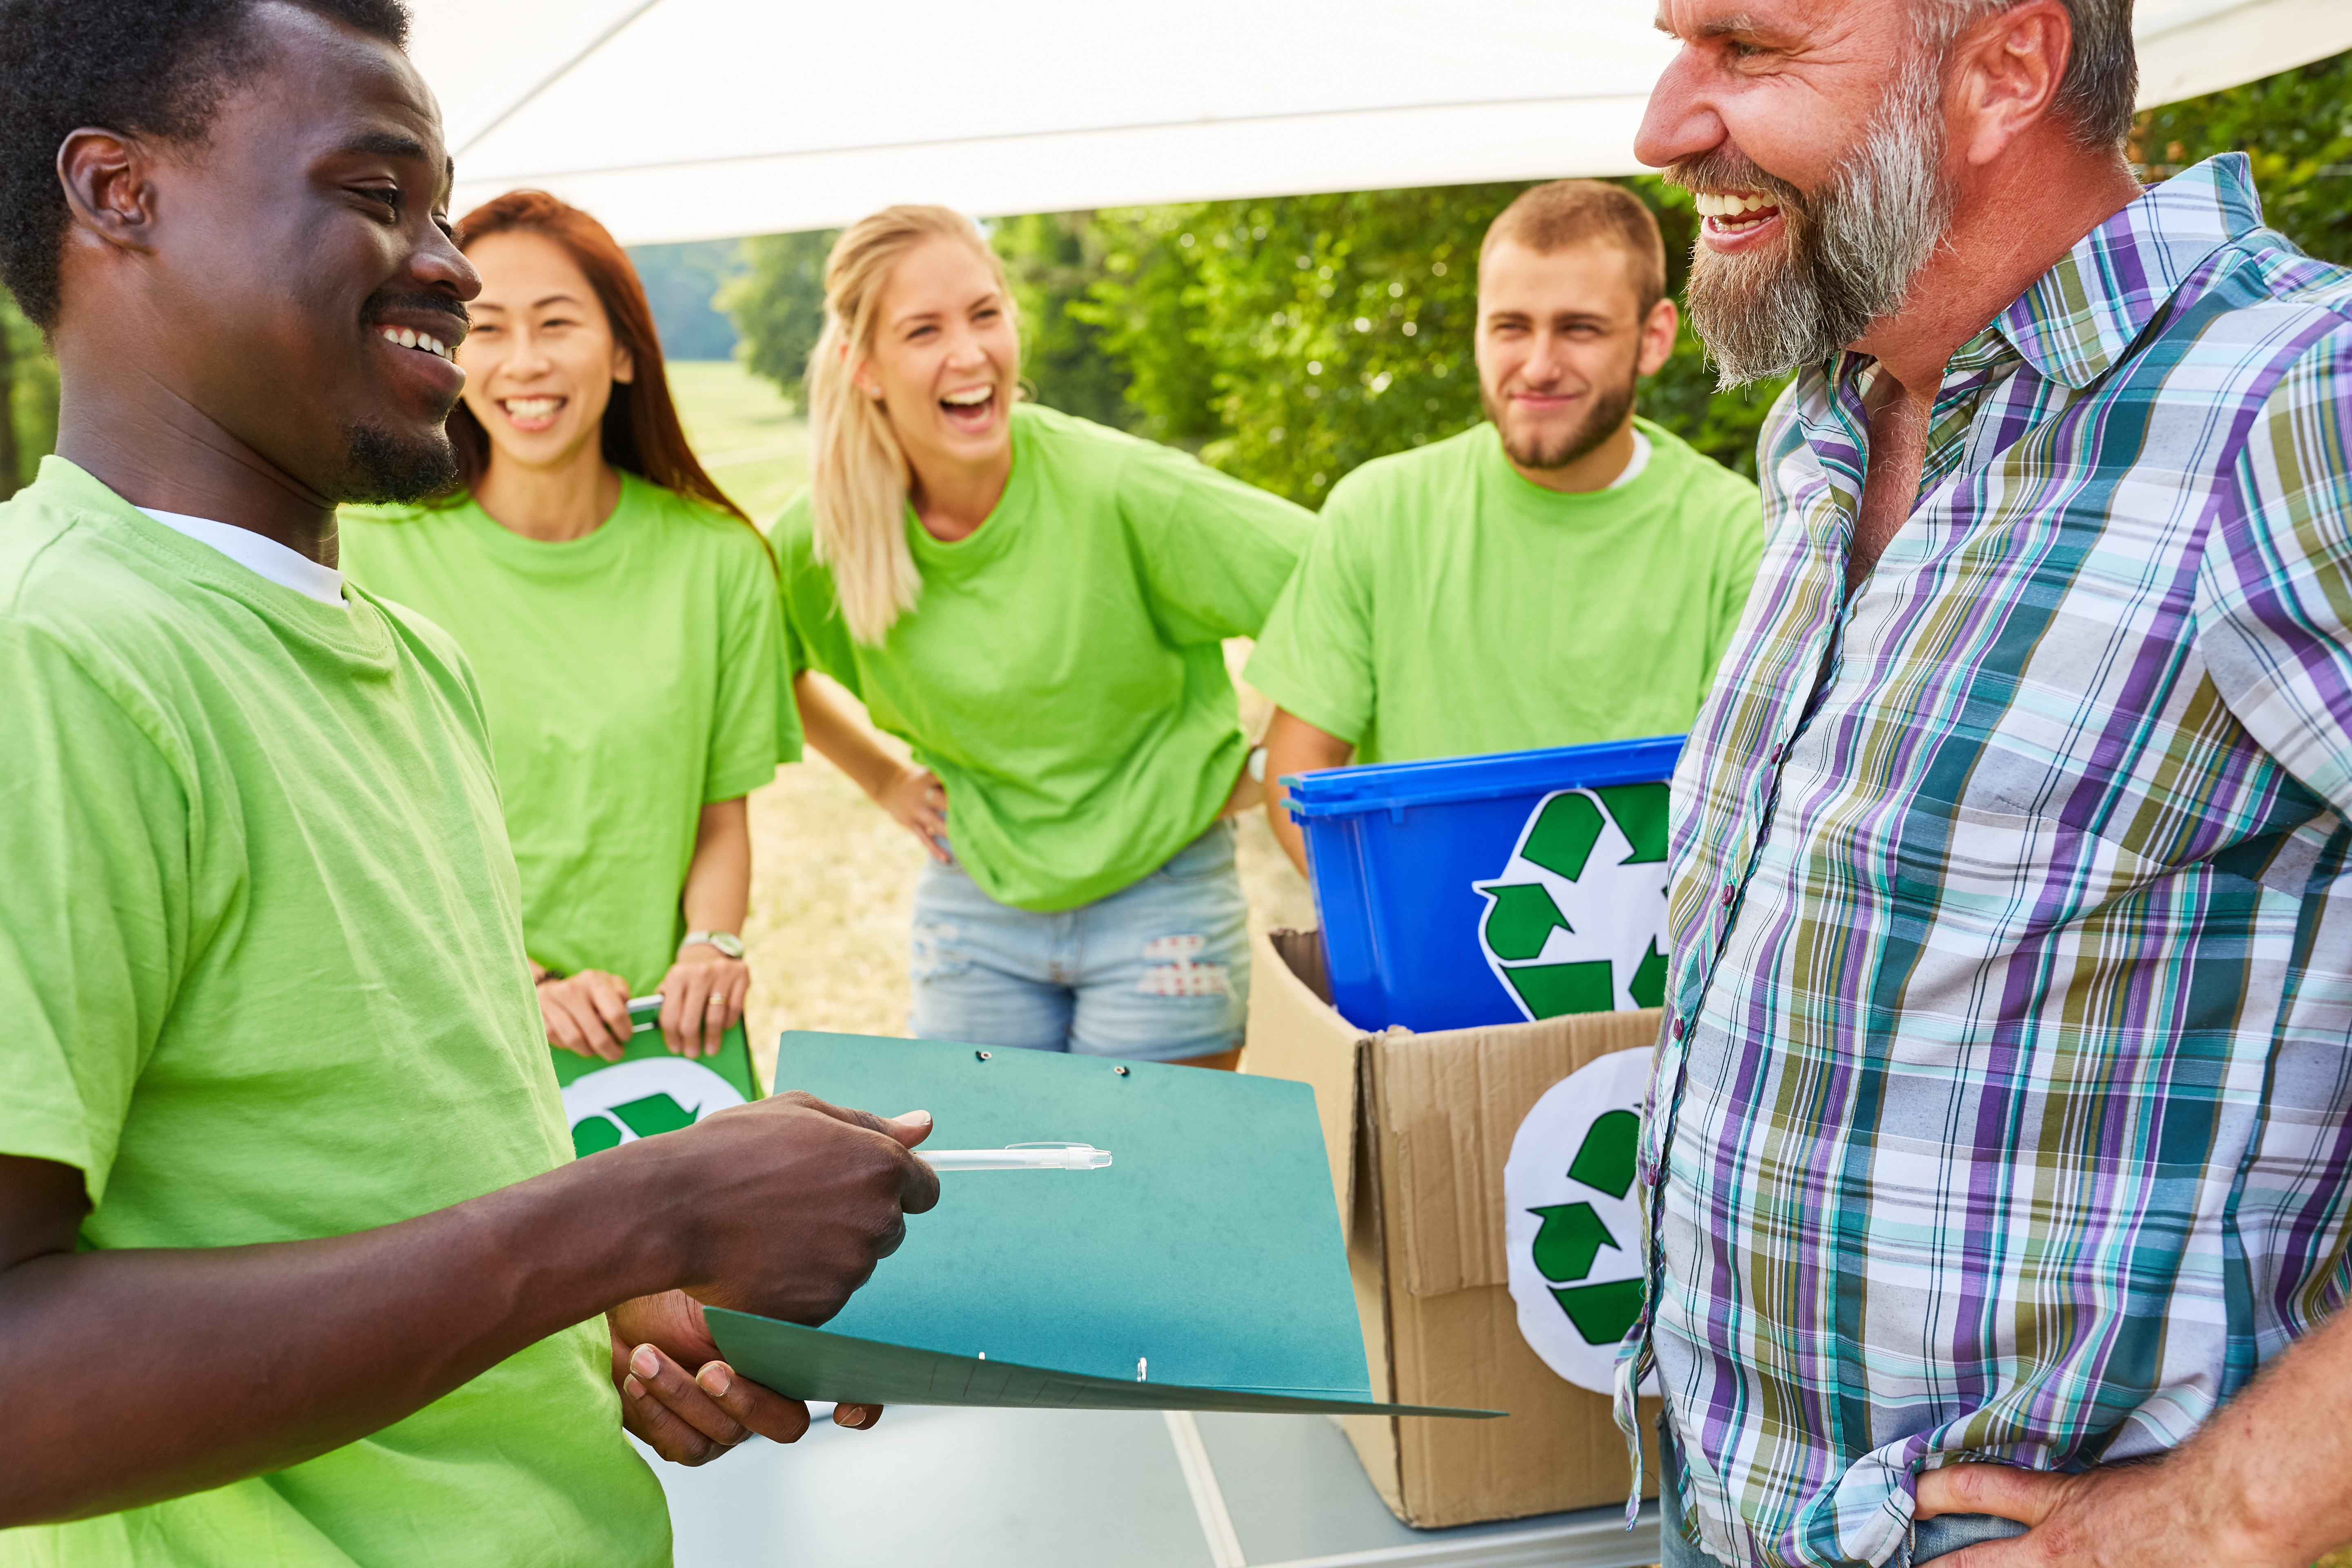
[(1018, 1157)]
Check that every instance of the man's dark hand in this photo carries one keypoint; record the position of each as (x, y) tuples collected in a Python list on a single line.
[(784, 1206), (692, 1418), (794, 1202)]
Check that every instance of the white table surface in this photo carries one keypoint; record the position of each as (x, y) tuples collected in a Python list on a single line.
[(944, 1488)]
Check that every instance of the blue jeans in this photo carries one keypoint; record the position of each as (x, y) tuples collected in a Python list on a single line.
[(1930, 1538), (1156, 971)]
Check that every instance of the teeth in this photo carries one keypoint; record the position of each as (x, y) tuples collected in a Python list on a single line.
[(531, 407), (414, 340), (971, 397), (1710, 204)]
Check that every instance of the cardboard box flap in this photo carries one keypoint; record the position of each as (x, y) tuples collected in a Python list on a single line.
[(1449, 1105)]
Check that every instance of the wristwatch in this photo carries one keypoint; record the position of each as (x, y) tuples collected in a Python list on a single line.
[(725, 942)]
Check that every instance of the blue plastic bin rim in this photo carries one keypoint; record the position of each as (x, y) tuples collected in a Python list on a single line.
[(1386, 786)]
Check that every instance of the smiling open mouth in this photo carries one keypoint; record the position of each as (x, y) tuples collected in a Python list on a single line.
[(1735, 213), (422, 342), (974, 405), (531, 410)]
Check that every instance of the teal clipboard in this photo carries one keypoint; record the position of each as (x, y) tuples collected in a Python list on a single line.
[(649, 1091), (1202, 1269)]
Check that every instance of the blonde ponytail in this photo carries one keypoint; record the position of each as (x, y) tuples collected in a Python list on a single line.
[(857, 471)]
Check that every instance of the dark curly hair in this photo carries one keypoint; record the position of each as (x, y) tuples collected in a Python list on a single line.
[(156, 67)]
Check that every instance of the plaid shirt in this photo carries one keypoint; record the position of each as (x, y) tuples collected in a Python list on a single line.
[(2005, 1112)]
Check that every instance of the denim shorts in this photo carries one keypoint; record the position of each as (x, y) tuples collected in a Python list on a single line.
[(1156, 971), (1930, 1538)]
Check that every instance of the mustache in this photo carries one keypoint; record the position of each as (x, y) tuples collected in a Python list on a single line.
[(1727, 169), (384, 302)]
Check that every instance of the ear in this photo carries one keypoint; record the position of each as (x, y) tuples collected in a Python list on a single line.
[(107, 191), (2007, 72), (624, 365), (1658, 338)]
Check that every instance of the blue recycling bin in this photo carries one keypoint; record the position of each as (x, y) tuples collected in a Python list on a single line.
[(1474, 890)]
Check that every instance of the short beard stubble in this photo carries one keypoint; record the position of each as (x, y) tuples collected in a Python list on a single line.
[(379, 466), (1610, 407), (1850, 254)]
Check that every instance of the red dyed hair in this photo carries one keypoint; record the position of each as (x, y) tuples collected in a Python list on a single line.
[(642, 432)]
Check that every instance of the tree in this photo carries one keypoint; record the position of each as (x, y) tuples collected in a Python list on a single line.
[(1051, 259), (778, 302), (1292, 338), (29, 399), (1288, 340), (2297, 127)]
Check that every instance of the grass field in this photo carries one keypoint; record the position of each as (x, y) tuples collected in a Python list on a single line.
[(832, 879), (747, 433)]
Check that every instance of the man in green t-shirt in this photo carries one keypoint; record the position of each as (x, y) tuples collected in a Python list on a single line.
[(296, 1267), (1562, 574)]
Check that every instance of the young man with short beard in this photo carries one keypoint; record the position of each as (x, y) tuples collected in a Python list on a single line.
[(1564, 573), (2002, 1128), (296, 1265)]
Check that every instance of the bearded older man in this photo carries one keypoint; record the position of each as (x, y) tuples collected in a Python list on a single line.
[(2001, 1132)]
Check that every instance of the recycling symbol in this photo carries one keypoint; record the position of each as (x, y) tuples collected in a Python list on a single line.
[(1572, 1232), (1573, 923), (630, 1100)]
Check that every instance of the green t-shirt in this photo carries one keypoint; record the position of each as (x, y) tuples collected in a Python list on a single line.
[(262, 976), (1447, 607), (631, 677), (1062, 672)]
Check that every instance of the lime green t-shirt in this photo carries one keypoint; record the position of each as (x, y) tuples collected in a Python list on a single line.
[(1062, 672), (261, 967), (1447, 607), (631, 678)]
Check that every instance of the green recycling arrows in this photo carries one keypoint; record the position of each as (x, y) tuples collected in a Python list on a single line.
[(1572, 1216), (1572, 925), (1573, 1235)]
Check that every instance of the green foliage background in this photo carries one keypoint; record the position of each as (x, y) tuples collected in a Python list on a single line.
[(29, 399), (1289, 340), (1271, 336), (778, 302)]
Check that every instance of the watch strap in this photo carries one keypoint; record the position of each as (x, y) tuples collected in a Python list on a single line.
[(725, 942)]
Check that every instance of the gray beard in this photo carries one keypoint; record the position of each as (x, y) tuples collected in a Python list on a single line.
[(1851, 254)]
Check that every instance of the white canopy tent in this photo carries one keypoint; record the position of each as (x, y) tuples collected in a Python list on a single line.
[(694, 118)]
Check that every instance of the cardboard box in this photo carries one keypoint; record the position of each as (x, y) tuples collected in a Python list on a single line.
[(1418, 1128)]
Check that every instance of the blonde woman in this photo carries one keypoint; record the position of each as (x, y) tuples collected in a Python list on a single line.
[(1035, 604)]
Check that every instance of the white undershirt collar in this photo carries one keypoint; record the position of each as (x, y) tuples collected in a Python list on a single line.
[(264, 557), (1636, 463)]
